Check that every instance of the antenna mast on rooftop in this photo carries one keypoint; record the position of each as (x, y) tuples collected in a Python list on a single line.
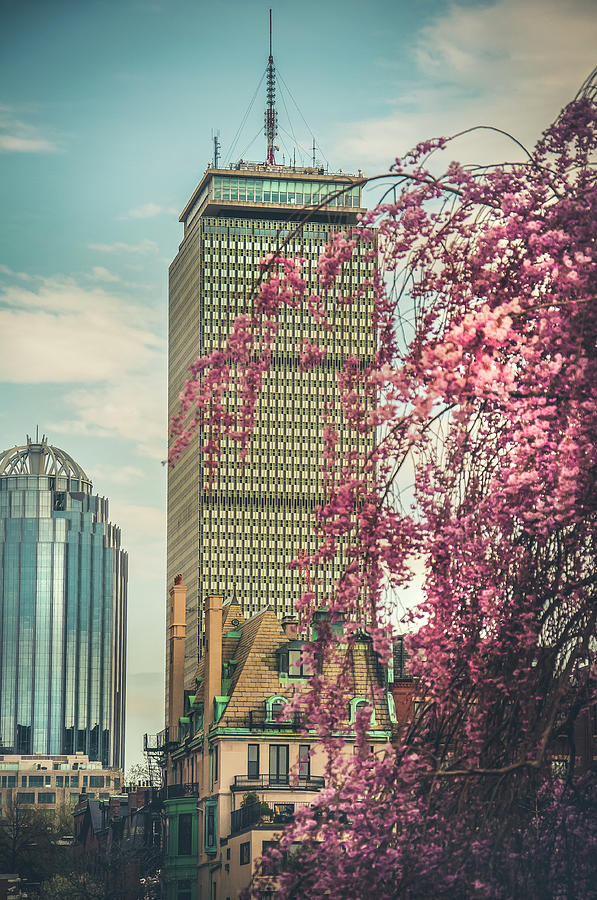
[(216, 138), (271, 116)]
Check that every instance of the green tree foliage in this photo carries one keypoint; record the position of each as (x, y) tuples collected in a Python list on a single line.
[(73, 886)]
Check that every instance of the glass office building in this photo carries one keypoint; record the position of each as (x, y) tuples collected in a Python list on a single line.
[(62, 610), (238, 538)]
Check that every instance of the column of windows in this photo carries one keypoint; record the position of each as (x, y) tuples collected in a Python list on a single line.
[(287, 438)]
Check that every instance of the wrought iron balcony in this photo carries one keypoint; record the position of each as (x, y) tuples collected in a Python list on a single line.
[(277, 782), (259, 721), (177, 791), (259, 814)]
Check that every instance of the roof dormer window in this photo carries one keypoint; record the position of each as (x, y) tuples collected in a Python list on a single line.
[(292, 662)]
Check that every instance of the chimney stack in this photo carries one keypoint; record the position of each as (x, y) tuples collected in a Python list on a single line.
[(177, 630), (290, 626), (213, 654)]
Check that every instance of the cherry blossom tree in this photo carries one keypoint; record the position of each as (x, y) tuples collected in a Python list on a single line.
[(481, 405)]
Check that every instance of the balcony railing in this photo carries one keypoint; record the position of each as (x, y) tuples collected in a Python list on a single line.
[(277, 782), (258, 719), (259, 814), (176, 791), (159, 743)]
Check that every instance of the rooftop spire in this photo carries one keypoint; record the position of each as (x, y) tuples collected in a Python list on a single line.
[(271, 116)]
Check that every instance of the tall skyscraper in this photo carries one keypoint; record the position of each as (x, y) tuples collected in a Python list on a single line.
[(62, 610), (238, 538)]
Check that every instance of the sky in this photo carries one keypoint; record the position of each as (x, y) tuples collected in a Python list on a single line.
[(107, 110)]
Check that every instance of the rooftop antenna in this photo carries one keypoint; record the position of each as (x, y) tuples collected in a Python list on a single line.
[(216, 150), (313, 156), (271, 116)]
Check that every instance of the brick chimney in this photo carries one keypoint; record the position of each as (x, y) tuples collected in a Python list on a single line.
[(213, 654), (290, 626), (177, 630)]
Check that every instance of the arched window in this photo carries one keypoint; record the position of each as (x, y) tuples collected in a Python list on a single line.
[(273, 708), (391, 707), (358, 703)]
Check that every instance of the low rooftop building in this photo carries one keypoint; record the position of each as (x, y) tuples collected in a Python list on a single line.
[(53, 782)]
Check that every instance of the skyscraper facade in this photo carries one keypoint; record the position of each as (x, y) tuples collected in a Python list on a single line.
[(62, 610), (238, 537)]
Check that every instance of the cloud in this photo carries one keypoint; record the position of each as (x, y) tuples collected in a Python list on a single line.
[(17, 136), (145, 246), (148, 211), (63, 332), (142, 521), (10, 143), (508, 64), (22, 276), (103, 348), (100, 273), (132, 407), (123, 474)]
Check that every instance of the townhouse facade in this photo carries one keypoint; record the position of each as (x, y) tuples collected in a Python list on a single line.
[(236, 769)]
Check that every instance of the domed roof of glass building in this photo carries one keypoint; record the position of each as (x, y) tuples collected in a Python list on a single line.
[(40, 458)]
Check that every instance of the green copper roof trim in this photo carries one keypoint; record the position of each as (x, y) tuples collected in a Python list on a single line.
[(182, 802), (224, 729), (286, 679), (220, 704)]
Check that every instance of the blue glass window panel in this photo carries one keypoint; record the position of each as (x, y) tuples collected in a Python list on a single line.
[(42, 660), (9, 643), (26, 632), (31, 504), (56, 669), (45, 504), (16, 505)]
